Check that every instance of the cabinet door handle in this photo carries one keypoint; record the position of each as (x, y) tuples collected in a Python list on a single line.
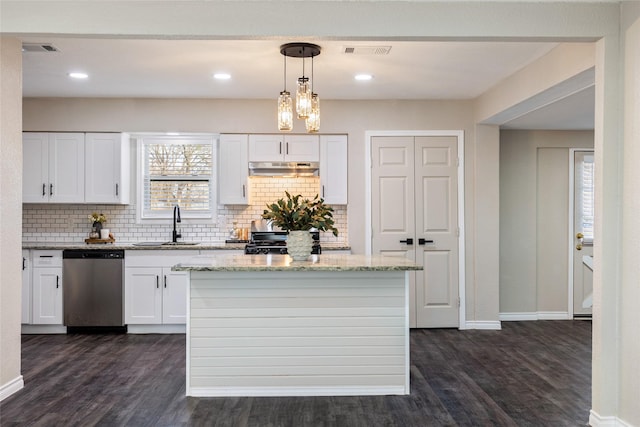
[(280, 152), (44, 189), (116, 189), (165, 281), (157, 282), (57, 282), (408, 241), (24, 263), (323, 191), (287, 149), (51, 189), (243, 191), (46, 256)]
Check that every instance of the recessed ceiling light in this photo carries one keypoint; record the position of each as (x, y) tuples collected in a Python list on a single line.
[(222, 76), (363, 77), (78, 75)]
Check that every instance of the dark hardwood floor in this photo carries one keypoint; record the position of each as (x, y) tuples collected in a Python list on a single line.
[(528, 374)]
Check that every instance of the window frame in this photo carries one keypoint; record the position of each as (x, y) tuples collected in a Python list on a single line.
[(167, 216)]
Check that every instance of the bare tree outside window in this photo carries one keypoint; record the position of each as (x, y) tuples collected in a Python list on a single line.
[(178, 173)]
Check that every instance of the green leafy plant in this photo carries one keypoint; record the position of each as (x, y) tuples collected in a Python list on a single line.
[(296, 213)]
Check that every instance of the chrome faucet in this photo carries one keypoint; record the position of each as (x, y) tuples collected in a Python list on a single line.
[(176, 219)]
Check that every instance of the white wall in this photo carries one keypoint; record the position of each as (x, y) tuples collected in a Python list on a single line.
[(534, 203), (10, 217), (629, 350)]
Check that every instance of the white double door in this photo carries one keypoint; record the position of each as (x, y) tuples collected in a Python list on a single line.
[(414, 214)]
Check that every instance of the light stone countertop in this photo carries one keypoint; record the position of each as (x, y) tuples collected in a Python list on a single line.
[(202, 246), (324, 262)]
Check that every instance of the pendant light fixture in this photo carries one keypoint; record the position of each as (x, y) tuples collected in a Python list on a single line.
[(285, 108), (304, 93), (312, 122)]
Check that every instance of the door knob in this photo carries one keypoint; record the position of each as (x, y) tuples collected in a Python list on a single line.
[(407, 241), (422, 241), (580, 237)]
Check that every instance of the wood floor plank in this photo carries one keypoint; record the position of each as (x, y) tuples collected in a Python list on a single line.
[(528, 374)]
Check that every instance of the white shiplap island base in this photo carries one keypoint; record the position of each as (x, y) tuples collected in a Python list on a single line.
[(265, 325)]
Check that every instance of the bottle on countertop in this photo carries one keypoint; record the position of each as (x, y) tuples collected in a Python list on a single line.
[(233, 233)]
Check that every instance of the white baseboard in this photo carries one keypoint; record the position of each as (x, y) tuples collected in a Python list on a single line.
[(554, 315), (535, 315), (44, 329), (156, 329), (492, 325), (11, 387), (296, 391), (596, 420)]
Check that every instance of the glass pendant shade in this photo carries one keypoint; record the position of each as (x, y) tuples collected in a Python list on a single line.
[(303, 98), (313, 121), (285, 112)]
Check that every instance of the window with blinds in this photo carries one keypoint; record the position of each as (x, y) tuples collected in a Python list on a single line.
[(585, 196), (177, 171)]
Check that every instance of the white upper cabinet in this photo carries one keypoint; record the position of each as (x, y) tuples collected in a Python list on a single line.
[(284, 148), (302, 148), (53, 168), (266, 148), (35, 167), (333, 169), (233, 170), (107, 168), (75, 168)]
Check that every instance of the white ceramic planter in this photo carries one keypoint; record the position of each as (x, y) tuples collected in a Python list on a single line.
[(299, 244)]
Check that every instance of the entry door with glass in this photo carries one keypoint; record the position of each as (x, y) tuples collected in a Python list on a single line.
[(583, 216)]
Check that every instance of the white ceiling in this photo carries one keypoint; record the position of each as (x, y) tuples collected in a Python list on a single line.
[(184, 69)]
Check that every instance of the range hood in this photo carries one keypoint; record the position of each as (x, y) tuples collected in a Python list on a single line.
[(283, 168)]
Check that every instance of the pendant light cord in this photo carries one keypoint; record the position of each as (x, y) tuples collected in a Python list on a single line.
[(285, 73)]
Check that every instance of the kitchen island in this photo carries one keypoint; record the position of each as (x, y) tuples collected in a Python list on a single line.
[(264, 325)]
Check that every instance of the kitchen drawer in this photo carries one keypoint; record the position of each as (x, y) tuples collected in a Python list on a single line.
[(47, 258), (158, 258)]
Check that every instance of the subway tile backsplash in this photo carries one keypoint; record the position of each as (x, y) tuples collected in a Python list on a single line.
[(69, 223)]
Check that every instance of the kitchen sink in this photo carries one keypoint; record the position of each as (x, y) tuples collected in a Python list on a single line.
[(150, 243), (180, 243), (166, 243)]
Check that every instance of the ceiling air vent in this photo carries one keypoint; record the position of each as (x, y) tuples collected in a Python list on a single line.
[(367, 50), (39, 47)]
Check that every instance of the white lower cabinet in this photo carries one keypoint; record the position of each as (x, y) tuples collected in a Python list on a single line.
[(46, 280), (26, 287), (155, 295)]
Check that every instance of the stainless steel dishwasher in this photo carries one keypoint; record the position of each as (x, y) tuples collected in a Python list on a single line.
[(93, 289)]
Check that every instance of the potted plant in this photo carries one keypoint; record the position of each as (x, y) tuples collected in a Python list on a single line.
[(298, 216), (97, 219)]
